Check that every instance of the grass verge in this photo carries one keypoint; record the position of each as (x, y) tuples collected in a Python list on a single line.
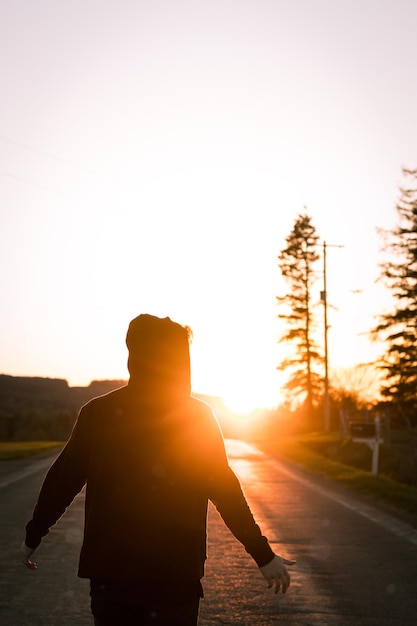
[(24, 449), (381, 489)]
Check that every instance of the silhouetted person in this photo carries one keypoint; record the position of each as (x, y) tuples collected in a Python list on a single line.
[(151, 456)]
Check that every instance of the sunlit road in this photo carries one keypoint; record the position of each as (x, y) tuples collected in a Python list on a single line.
[(350, 569), (354, 566)]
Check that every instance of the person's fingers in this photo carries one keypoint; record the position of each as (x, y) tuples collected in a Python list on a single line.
[(287, 579), (30, 564), (283, 581), (274, 581), (286, 575), (276, 574)]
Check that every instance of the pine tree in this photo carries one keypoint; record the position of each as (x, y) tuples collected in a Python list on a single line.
[(398, 328), (296, 263)]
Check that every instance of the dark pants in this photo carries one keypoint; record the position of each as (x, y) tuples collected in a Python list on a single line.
[(116, 603)]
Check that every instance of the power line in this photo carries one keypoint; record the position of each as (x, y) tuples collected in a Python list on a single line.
[(48, 156), (34, 184), (326, 328)]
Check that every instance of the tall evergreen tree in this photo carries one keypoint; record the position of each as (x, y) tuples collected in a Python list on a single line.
[(398, 327), (296, 262)]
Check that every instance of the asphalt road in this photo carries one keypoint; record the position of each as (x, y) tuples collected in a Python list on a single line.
[(355, 565)]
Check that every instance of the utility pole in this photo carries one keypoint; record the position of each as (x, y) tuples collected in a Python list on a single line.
[(323, 298), (326, 354)]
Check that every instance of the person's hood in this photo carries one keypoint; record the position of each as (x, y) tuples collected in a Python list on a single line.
[(159, 358)]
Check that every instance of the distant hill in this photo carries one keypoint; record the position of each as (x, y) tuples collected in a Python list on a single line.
[(35, 408), (21, 394)]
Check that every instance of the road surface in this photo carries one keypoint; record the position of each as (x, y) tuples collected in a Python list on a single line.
[(355, 565)]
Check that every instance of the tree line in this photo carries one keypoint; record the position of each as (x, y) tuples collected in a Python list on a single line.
[(36, 408), (395, 329)]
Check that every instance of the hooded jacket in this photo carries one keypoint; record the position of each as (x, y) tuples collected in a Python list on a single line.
[(151, 457)]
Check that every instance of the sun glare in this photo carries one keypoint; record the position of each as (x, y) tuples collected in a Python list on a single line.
[(239, 404), (242, 402)]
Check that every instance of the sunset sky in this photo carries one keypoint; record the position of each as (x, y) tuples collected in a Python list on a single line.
[(155, 155)]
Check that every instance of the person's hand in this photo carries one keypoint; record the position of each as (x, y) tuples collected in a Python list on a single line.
[(276, 574), (26, 553)]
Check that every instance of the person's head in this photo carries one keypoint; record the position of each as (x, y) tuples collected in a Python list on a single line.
[(159, 357)]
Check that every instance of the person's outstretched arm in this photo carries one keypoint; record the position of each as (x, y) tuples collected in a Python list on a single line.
[(227, 495), (231, 503), (64, 480)]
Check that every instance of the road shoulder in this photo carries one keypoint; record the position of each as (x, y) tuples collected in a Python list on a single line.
[(16, 469), (389, 517)]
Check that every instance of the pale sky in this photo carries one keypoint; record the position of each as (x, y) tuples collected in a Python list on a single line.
[(155, 155)]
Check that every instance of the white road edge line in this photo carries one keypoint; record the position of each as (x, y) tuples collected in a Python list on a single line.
[(398, 527), (26, 471)]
